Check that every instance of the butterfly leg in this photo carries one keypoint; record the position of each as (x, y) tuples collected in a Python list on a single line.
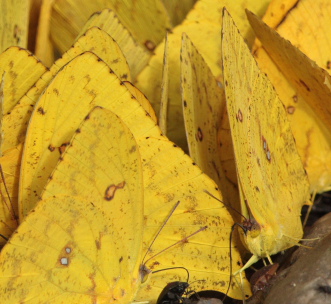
[(249, 263), (269, 259)]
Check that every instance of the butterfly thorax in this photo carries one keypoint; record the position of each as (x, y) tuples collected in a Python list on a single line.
[(260, 240), (266, 240)]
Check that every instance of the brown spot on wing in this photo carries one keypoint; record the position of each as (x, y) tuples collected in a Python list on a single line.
[(133, 149), (51, 148), (290, 109), (41, 111), (305, 85), (17, 33), (65, 256), (150, 45), (110, 191), (239, 116), (63, 147), (266, 149), (199, 135)]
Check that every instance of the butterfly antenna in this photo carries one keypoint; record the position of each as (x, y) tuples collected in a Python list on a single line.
[(157, 234), (230, 247), (4, 237), (179, 267), (11, 209), (143, 269), (184, 240), (227, 205)]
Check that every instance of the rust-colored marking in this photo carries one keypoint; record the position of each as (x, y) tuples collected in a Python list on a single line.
[(65, 256), (239, 116), (51, 148), (150, 45), (41, 111), (290, 109), (63, 147), (17, 33), (13, 74), (305, 85), (133, 149), (266, 149), (199, 135), (110, 191)]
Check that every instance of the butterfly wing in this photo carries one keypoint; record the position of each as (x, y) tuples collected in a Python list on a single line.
[(300, 75), (82, 242), (273, 181)]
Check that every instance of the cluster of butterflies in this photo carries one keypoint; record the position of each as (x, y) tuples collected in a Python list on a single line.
[(98, 205)]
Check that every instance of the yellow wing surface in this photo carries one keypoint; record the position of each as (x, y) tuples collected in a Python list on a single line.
[(136, 54), (19, 70), (300, 75), (272, 180), (147, 20), (82, 242), (203, 21), (85, 82), (10, 164), (169, 176), (203, 107), (94, 39), (14, 21)]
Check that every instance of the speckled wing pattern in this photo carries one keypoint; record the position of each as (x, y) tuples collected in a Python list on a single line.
[(146, 29), (10, 164), (273, 181), (93, 39), (19, 70), (49, 131), (169, 176), (82, 243), (300, 75), (14, 23), (203, 108)]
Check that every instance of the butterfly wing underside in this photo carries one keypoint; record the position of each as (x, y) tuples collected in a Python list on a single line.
[(273, 181), (81, 244)]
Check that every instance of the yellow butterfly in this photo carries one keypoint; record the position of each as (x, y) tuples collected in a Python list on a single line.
[(273, 183), (19, 70), (82, 245), (204, 110), (204, 20), (17, 122), (300, 74), (169, 176), (136, 54), (146, 20)]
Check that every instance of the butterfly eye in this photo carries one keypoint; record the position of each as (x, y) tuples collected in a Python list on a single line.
[(255, 230)]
